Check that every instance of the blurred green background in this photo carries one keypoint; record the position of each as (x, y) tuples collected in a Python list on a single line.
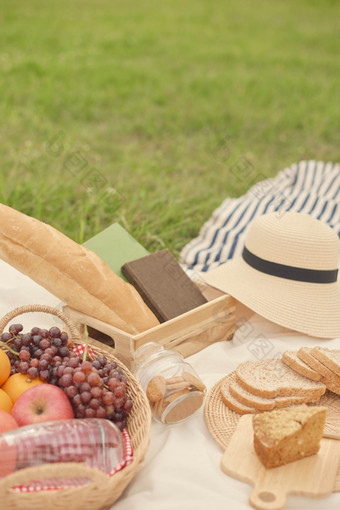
[(139, 111)]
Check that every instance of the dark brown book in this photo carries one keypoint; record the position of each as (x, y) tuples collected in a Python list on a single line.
[(165, 287)]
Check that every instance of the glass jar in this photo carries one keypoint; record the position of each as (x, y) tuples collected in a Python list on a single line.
[(172, 386)]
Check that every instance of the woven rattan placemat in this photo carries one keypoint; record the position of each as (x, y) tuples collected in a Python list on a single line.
[(221, 421)]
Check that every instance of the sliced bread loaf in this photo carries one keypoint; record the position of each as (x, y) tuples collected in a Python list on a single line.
[(286, 435), (291, 359), (231, 402), (317, 357), (330, 358), (262, 403), (306, 355), (272, 378), (332, 384)]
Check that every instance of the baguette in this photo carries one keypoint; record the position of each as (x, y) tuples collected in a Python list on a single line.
[(71, 272)]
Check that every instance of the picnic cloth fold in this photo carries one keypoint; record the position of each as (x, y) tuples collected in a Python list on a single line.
[(310, 187)]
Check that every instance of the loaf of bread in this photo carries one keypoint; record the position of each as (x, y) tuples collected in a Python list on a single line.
[(71, 272), (285, 435)]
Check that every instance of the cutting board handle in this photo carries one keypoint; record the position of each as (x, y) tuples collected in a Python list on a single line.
[(267, 499)]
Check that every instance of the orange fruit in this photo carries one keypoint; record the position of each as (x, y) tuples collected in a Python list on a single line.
[(16, 384), (5, 367), (6, 403)]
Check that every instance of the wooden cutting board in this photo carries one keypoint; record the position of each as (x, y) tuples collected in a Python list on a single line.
[(313, 476)]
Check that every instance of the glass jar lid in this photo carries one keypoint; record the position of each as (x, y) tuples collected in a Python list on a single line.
[(147, 351)]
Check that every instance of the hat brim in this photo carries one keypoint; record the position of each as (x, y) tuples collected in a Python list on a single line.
[(309, 308)]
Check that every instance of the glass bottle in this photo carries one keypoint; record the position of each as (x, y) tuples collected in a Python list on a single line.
[(96, 442)]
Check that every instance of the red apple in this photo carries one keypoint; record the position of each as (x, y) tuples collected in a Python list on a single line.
[(44, 402), (7, 422)]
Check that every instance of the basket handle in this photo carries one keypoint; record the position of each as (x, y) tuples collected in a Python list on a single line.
[(40, 308), (62, 470)]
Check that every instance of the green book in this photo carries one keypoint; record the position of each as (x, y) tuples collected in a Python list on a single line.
[(116, 246)]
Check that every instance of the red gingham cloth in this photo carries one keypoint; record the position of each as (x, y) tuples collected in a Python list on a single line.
[(79, 350), (58, 483)]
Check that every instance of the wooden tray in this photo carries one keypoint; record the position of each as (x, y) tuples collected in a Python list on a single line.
[(187, 334), (312, 476), (222, 421)]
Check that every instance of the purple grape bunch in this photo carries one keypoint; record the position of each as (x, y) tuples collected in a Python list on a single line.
[(96, 388)]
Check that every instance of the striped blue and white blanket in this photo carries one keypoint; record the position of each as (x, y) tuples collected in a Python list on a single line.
[(311, 187)]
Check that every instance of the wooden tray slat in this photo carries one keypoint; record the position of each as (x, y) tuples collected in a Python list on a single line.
[(187, 334)]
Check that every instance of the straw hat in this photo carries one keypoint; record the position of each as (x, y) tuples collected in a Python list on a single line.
[(288, 273)]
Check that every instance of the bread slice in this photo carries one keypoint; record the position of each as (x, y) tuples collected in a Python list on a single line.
[(329, 358), (291, 359), (314, 358), (285, 435), (262, 403), (232, 402), (272, 378), (332, 385), (306, 355)]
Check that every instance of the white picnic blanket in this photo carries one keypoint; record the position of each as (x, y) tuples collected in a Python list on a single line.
[(182, 465)]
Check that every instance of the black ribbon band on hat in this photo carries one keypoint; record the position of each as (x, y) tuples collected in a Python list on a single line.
[(299, 274)]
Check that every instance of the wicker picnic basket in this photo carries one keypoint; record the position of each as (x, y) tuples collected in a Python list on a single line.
[(101, 491)]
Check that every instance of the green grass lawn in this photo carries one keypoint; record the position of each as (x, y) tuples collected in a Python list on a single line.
[(137, 111)]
